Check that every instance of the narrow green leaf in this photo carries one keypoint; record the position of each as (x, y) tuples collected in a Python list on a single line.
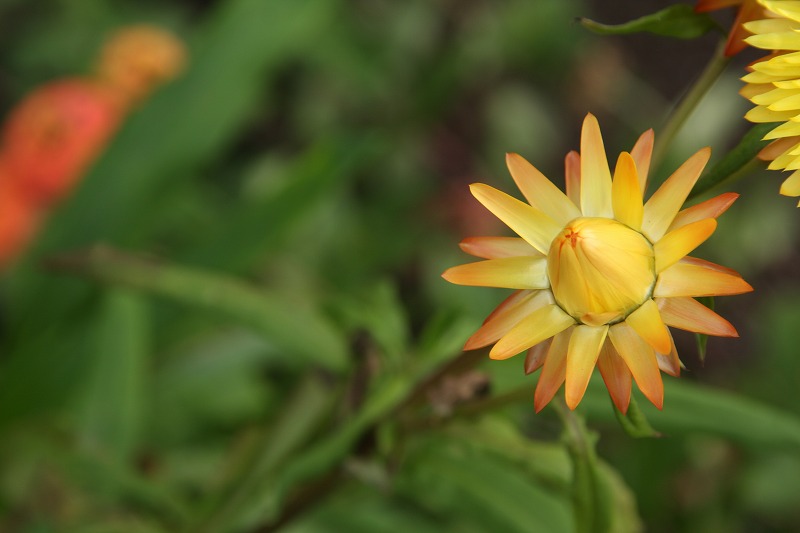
[(679, 20), (691, 408), (304, 410), (702, 340), (300, 331), (113, 415), (634, 422), (735, 162)]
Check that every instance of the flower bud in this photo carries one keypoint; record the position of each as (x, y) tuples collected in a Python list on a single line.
[(600, 270)]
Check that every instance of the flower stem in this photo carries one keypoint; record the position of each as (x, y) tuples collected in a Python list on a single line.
[(590, 496), (678, 117)]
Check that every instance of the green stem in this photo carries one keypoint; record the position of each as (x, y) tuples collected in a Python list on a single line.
[(710, 74), (590, 498)]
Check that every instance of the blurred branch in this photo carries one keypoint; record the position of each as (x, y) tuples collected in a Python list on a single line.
[(740, 161), (298, 330), (681, 113)]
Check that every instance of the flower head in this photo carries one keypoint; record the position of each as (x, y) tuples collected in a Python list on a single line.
[(774, 84), (136, 59), (54, 134), (599, 273), (748, 10)]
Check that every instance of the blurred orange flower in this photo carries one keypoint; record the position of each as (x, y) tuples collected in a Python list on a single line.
[(54, 134), (52, 137), (137, 59)]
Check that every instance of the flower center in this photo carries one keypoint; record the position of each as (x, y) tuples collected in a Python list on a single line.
[(600, 270)]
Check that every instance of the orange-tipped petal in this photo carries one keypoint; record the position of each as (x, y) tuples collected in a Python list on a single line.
[(595, 175), (641, 360), (506, 316), (508, 272), (676, 244), (690, 315), (584, 348), (776, 148), (497, 247), (572, 177), (616, 376), (661, 209), (712, 208), (669, 362), (626, 195), (533, 329), (540, 191), (536, 355), (647, 322), (554, 371), (750, 10), (698, 278), (642, 152), (528, 222)]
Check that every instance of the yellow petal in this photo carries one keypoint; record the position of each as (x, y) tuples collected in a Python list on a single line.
[(536, 355), (641, 361), (768, 25), (497, 247), (642, 152), (595, 175), (646, 321), (690, 315), (533, 329), (763, 114), (572, 175), (626, 194), (529, 223), (791, 186), (790, 10), (508, 272), (661, 208), (693, 277), (789, 40), (507, 315), (584, 348), (676, 244), (787, 129), (712, 208), (769, 98), (554, 371), (616, 376), (540, 191)]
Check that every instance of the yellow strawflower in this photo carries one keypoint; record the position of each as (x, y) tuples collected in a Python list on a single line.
[(774, 86), (599, 274)]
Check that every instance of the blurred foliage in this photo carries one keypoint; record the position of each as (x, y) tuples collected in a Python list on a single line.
[(257, 330)]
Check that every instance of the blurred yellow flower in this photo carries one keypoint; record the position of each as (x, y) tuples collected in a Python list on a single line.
[(599, 273), (774, 86), (748, 10)]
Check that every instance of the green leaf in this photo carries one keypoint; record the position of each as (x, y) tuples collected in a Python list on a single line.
[(736, 162), (112, 420), (454, 481), (679, 20), (634, 422), (692, 408), (298, 330)]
